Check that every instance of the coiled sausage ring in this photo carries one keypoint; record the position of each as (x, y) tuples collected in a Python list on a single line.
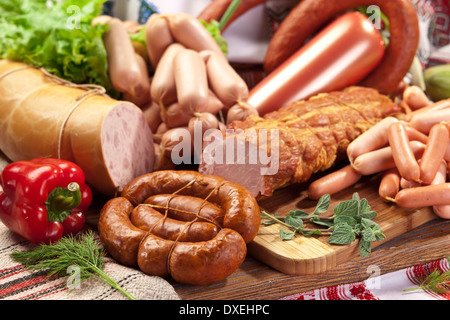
[(182, 224)]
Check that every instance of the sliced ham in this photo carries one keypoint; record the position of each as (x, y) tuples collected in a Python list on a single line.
[(289, 145)]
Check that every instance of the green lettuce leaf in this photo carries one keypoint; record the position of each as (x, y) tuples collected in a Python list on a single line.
[(58, 37)]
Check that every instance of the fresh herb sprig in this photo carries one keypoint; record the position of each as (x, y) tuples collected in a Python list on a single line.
[(351, 219), (436, 281), (84, 252)]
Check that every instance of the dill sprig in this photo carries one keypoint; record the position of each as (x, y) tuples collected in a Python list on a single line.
[(84, 252), (435, 281)]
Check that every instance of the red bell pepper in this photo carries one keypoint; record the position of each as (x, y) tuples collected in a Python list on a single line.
[(44, 199)]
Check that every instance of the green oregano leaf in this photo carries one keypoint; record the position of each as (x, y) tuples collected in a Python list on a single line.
[(347, 208), (352, 218), (286, 235), (364, 248), (342, 234), (322, 205)]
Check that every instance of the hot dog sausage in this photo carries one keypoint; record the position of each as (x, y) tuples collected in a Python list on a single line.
[(372, 139), (119, 236), (389, 184), (140, 96), (416, 135), (189, 31), (186, 208), (241, 209), (415, 98), (309, 15), (152, 115), (174, 143), (442, 211), (224, 81), (193, 262), (158, 37), (334, 182), (381, 159), (175, 115), (163, 90), (402, 152), (439, 105), (191, 81), (124, 69), (424, 121), (424, 196), (240, 112), (434, 152), (146, 218)]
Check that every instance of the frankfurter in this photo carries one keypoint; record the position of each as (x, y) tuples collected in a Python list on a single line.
[(312, 14), (193, 262), (214, 105), (224, 81), (240, 111), (434, 152), (402, 152), (389, 184), (152, 115), (124, 69), (415, 98), (241, 209), (381, 159), (163, 89), (200, 125), (189, 31), (191, 81), (439, 105), (175, 115), (424, 121), (140, 96), (176, 144), (442, 211), (333, 182), (148, 219), (414, 134), (424, 196), (158, 37), (370, 140)]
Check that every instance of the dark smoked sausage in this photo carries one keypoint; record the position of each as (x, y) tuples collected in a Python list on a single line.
[(191, 227)]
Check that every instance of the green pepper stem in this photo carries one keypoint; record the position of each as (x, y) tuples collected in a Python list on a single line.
[(63, 202), (227, 15)]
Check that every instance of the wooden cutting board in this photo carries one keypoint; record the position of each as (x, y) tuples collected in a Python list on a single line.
[(312, 255)]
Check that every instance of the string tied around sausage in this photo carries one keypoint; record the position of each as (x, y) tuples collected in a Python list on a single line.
[(90, 90), (166, 208)]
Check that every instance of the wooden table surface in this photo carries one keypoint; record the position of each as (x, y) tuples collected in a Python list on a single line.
[(256, 281)]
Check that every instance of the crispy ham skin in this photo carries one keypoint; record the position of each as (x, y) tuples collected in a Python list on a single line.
[(294, 142)]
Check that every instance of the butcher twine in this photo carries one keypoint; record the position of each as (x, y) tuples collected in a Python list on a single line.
[(91, 90), (187, 225)]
